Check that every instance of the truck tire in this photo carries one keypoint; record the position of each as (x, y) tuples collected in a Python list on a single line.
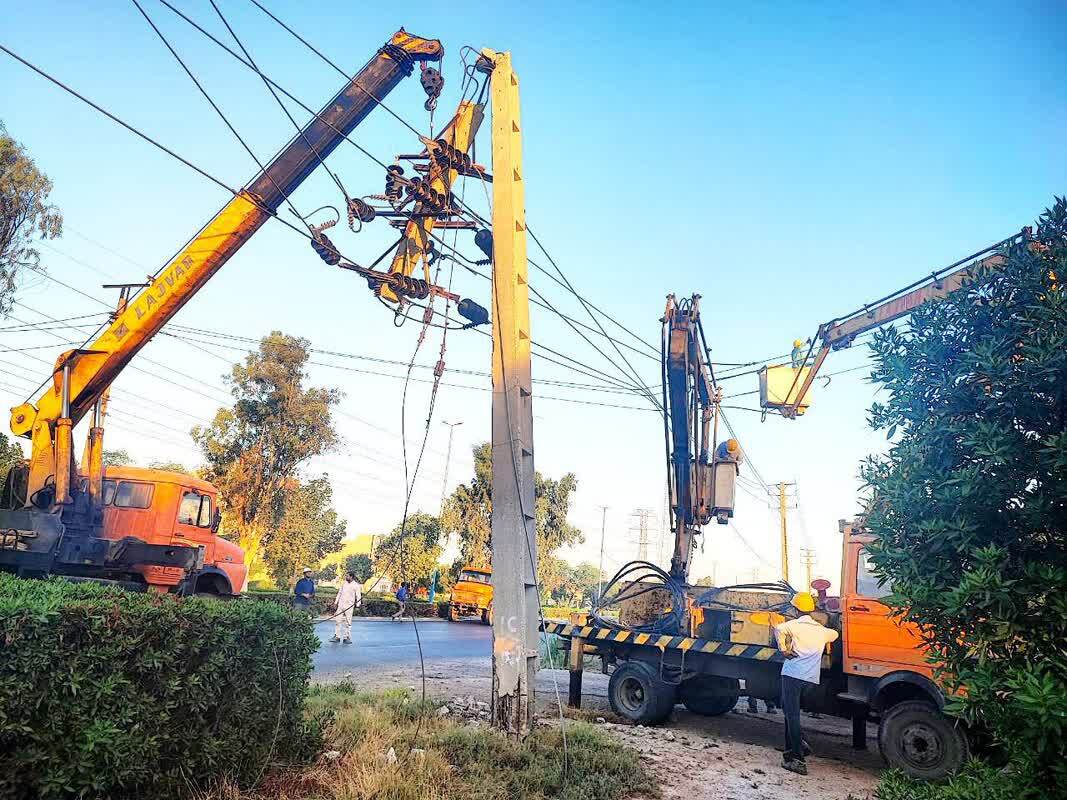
[(487, 616), (453, 615), (917, 738), (637, 693), (710, 695)]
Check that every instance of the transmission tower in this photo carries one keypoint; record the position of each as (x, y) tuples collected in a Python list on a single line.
[(807, 558), (641, 517)]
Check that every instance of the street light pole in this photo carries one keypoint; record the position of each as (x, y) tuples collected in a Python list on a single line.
[(448, 459), (600, 574)]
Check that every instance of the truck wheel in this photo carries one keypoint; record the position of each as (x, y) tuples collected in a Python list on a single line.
[(710, 695), (487, 616), (453, 615), (636, 692), (918, 739)]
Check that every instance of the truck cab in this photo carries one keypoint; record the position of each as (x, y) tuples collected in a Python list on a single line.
[(472, 596), (172, 508), (886, 670)]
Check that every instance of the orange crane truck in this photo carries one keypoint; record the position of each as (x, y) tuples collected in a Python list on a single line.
[(148, 528), (876, 670), (705, 646)]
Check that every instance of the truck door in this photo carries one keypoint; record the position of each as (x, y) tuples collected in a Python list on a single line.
[(195, 515), (875, 643)]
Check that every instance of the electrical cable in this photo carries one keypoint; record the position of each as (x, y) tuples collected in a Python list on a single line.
[(215, 106), (649, 578), (410, 127), (638, 381), (274, 94)]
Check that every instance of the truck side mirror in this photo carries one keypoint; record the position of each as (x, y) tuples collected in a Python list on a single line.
[(216, 521)]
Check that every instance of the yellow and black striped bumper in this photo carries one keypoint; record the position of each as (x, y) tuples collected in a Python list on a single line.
[(593, 634)]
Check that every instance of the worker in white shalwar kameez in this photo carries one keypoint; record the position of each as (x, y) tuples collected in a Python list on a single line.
[(349, 596)]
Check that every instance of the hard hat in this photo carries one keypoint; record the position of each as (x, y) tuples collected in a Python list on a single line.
[(803, 601), (307, 569), (732, 445), (798, 343)]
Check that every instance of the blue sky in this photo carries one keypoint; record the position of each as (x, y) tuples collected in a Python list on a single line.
[(787, 161)]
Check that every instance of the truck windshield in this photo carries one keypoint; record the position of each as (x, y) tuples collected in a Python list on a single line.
[(867, 583), (127, 494), (474, 577)]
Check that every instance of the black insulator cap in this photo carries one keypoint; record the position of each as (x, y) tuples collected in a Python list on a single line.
[(327, 252), (472, 312), (484, 239)]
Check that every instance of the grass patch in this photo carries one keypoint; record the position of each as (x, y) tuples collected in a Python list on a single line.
[(447, 760)]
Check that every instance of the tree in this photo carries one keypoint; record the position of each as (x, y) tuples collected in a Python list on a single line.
[(255, 448), (469, 512), (577, 585), (970, 503), (24, 214), (117, 458), (308, 529), (328, 572), (360, 565), (411, 553), (173, 466), (10, 455)]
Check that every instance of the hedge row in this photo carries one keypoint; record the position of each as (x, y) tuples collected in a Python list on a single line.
[(371, 607), (106, 693)]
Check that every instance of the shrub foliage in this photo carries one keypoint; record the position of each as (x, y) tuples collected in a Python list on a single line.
[(970, 503), (105, 693)]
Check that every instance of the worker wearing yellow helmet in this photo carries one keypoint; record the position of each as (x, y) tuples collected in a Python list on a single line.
[(802, 642), (798, 355)]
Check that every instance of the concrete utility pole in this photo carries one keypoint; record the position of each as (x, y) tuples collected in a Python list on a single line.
[(785, 537), (448, 460), (600, 574), (515, 601)]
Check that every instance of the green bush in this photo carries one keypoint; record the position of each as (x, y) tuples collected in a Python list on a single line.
[(976, 781), (106, 693), (321, 605)]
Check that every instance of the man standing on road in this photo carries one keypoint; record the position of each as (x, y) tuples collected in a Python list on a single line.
[(304, 592), (348, 597), (802, 641), (402, 595)]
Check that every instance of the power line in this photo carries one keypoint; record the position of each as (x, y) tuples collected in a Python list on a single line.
[(215, 106)]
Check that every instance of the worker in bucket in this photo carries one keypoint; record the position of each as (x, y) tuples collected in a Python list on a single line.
[(349, 596), (802, 642), (304, 592)]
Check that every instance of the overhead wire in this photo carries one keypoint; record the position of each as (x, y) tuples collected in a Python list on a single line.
[(207, 96)]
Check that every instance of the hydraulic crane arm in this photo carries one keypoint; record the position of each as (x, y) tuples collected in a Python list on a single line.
[(82, 376), (838, 334), (700, 473)]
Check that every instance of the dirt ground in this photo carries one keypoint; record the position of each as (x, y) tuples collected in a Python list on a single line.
[(733, 757)]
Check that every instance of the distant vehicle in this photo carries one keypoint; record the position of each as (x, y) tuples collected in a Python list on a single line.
[(472, 596)]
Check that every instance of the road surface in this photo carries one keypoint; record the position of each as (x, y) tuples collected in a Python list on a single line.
[(384, 643)]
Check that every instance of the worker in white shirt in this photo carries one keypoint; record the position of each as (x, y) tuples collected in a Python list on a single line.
[(802, 641), (349, 596)]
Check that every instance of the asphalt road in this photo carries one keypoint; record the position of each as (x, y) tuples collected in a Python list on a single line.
[(393, 644)]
